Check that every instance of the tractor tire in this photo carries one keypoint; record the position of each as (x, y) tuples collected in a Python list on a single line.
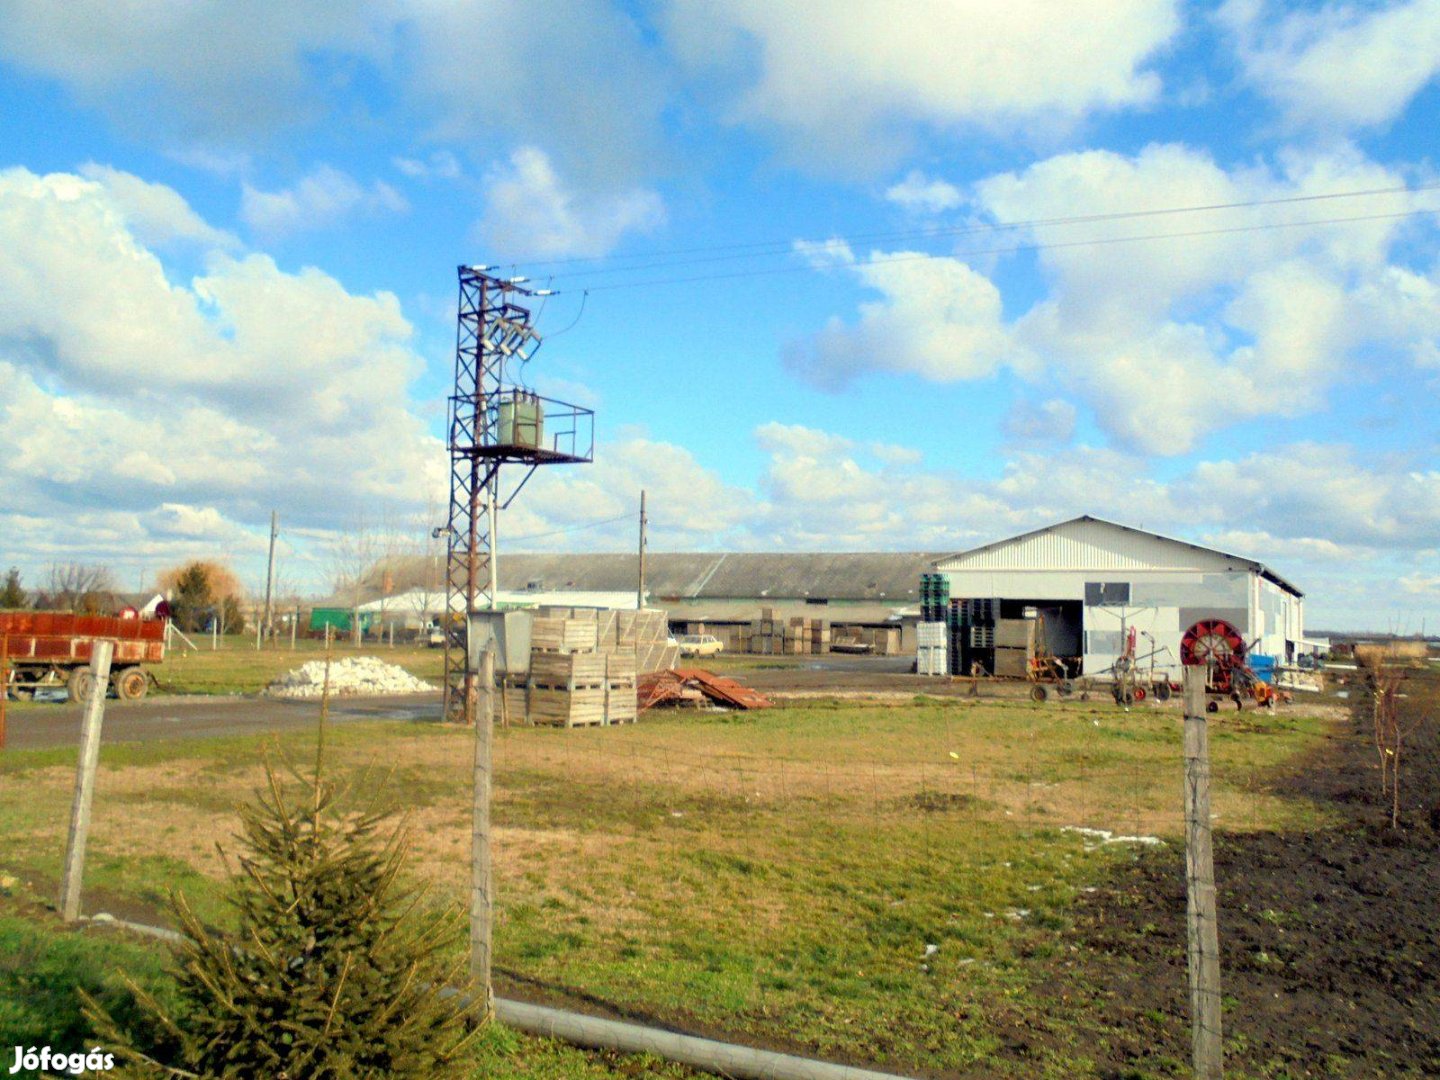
[(130, 683), (1162, 691), (1139, 693), (79, 682), (1212, 706), (1038, 694)]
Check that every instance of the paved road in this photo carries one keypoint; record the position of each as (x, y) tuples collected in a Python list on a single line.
[(161, 718)]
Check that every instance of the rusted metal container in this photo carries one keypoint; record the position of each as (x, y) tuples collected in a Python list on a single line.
[(51, 649)]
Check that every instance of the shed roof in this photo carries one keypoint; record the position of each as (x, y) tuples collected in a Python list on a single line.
[(879, 577), (1094, 543)]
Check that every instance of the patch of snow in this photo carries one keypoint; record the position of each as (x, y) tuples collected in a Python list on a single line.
[(352, 675)]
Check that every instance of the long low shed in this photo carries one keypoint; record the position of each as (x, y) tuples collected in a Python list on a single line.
[(1093, 580)]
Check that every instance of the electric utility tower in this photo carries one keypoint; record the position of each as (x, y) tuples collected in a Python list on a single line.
[(494, 419)]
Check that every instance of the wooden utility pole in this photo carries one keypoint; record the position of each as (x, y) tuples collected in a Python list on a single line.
[(482, 898), (640, 586), (101, 653), (267, 622), (1202, 932)]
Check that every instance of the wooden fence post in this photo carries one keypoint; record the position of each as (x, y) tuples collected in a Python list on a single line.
[(1202, 932), (4, 684), (482, 897), (100, 656)]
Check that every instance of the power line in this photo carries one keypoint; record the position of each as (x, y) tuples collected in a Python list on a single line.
[(1018, 248), (755, 249), (569, 529)]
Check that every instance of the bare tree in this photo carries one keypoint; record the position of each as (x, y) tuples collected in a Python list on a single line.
[(1391, 731), (78, 587), (352, 557), (430, 551)]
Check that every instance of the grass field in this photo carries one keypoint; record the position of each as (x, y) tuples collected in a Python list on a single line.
[(775, 876), (237, 667)]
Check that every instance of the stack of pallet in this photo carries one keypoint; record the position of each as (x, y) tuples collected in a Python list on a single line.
[(931, 654), (767, 634), (807, 637)]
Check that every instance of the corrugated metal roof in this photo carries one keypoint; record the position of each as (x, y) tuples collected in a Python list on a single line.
[(1091, 543), (881, 577)]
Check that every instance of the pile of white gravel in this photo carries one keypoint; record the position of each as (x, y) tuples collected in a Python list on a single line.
[(352, 675)]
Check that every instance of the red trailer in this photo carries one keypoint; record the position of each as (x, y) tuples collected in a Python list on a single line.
[(51, 649)]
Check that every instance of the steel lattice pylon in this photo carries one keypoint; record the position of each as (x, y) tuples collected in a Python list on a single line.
[(493, 419)]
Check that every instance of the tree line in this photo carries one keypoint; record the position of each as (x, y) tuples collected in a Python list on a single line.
[(199, 592)]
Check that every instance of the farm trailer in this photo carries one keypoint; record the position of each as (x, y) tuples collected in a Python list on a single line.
[(50, 649)]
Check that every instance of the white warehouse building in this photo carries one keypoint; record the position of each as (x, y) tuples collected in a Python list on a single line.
[(1092, 580)]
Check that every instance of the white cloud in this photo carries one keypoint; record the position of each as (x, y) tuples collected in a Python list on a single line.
[(919, 192), (1341, 67), (192, 408), (203, 74), (1043, 421), (439, 165), (325, 197), (531, 212), (849, 88), (1166, 339), (575, 76), (937, 318), (1427, 585), (157, 215)]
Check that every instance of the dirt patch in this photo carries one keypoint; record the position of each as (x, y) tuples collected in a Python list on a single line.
[(1329, 940)]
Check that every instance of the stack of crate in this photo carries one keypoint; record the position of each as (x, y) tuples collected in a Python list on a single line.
[(1014, 647), (567, 689), (767, 634), (807, 637), (972, 635), (934, 597), (584, 665), (931, 651)]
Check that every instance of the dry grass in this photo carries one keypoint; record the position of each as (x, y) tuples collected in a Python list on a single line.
[(776, 873)]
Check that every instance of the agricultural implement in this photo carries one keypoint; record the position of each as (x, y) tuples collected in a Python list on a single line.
[(1221, 649), (50, 650)]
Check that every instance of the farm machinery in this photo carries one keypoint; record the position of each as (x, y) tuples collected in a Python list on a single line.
[(50, 650), (1222, 650)]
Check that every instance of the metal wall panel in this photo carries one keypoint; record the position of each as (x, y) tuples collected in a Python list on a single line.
[(1090, 545)]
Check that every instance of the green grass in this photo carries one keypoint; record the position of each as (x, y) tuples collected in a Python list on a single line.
[(238, 668), (774, 875), (44, 966)]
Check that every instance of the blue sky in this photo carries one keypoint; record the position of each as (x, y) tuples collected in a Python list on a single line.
[(228, 244)]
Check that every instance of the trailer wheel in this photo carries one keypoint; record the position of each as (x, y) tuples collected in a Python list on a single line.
[(1038, 694), (1162, 691), (79, 683), (131, 683)]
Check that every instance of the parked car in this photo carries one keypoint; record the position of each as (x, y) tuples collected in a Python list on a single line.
[(700, 645)]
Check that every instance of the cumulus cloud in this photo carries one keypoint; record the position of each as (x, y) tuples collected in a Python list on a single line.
[(540, 54), (937, 318), (1165, 339), (1340, 67), (218, 74), (921, 193), (850, 91), (156, 214), (245, 389), (530, 211), (326, 196)]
